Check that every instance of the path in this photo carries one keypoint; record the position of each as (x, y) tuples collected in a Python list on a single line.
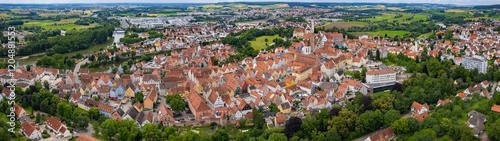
[(77, 68)]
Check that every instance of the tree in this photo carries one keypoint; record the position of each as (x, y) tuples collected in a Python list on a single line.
[(220, 135), (424, 135), (82, 121), (277, 137), (345, 122), (258, 119), (177, 105), (429, 122), (38, 117), (291, 126), (494, 131), (332, 135), (109, 127), (334, 112), (371, 120), (46, 85), (413, 124), (366, 102), (377, 55), (237, 90), (400, 126), (150, 130), (273, 108), (128, 130), (94, 113)]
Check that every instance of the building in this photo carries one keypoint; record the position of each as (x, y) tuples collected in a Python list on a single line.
[(381, 76), (105, 109), (279, 120), (476, 122), (165, 116), (383, 135), (419, 108), (57, 126), (30, 131), (472, 63)]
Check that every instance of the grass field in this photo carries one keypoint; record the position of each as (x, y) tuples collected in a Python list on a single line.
[(50, 24), (383, 32), (260, 42), (343, 25), (390, 17)]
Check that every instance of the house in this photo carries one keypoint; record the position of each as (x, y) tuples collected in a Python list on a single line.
[(57, 126), (117, 114), (198, 106), (284, 107), (496, 108), (383, 135), (151, 99), (279, 120), (105, 109), (165, 116), (443, 102), (419, 108), (84, 137), (20, 112), (420, 117), (30, 131), (476, 122)]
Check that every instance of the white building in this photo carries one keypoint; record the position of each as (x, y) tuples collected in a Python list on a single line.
[(381, 76), (471, 63)]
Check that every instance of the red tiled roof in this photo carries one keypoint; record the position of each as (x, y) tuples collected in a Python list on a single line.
[(496, 108)]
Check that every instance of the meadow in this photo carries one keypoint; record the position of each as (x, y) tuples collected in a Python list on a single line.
[(260, 42), (383, 32)]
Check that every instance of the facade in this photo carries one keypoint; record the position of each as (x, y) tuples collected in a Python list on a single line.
[(30, 131), (472, 63), (381, 76)]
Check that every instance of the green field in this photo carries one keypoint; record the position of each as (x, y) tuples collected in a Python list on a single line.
[(383, 32), (50, 24), (390, 17), (260, 42)]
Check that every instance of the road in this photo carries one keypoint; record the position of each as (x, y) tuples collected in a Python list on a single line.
[(77, 68)]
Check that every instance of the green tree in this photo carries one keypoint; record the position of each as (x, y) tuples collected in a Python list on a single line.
[(332, 135), (391, 116), (220, 135), (494, 131), (429, 122), (128, 130), (277, 137), (94, 113), (82, 121), (371, 120), (109, 127), (177, 105), (46, 85), (38, 117), (258, 119), (400, 126), (377, 55), (150, 130)]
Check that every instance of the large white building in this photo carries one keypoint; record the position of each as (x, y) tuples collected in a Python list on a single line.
[(471, 63), (381, 76)]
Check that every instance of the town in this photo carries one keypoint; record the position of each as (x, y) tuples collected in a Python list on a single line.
[(213, 76)]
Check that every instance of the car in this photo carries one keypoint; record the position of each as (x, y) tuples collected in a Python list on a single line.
[(76, 131)]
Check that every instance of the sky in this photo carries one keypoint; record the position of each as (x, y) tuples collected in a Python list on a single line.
[(457, 2)]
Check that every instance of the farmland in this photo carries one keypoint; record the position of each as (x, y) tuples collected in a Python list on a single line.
[(343, 25), (383, 32), (50, 24), (402, 19)]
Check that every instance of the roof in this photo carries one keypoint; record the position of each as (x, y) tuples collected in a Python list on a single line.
[(419, 106), (84, 137), (28, 128), (382, 135), (374, 72), (495, 108)]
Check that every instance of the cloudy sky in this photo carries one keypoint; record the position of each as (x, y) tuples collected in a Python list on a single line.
[(458, 2)]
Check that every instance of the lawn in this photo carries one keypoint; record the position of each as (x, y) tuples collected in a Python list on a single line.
[(390, 33), (381, 94), (101, 137), (260, 42)]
